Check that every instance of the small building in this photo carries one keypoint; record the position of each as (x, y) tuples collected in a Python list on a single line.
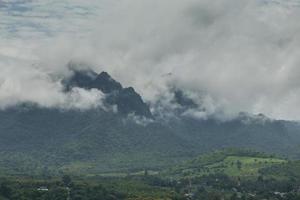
[(43, 189), (189, 195)]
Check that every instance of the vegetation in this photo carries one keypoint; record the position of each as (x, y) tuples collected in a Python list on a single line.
[(54, 190), (231, 162), (37, 140), (229, 174)]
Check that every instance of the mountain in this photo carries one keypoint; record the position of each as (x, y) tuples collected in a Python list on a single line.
[(37, 140), (126, 99)]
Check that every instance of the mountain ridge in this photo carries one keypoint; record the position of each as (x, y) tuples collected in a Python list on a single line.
[(98, 140), (127, 100)]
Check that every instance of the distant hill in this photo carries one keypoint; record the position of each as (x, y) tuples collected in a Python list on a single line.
[(286, 171), (49, 140), (231, 162)]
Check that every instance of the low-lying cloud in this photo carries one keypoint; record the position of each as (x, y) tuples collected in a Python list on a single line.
[(236, 55), (21, 82)]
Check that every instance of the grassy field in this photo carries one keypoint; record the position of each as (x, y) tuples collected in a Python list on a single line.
[(249, 166), (233, 163)]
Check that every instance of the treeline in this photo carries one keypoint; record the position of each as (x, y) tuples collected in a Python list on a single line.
[(220, 186), (208, 187), (64, 189)]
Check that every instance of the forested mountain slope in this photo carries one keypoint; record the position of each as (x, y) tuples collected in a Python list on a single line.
[(35, 139)]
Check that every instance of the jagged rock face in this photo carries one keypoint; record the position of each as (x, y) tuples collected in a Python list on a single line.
[(80, 78), (127, 100), (106, 84)]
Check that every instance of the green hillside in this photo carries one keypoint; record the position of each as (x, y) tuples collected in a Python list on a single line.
[(288, 170), (231, 162)]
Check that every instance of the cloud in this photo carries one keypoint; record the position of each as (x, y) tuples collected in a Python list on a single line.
[(242, 54), (29, 84), (238, 55)]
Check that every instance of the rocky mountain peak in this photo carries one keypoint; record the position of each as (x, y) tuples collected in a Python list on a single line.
[(127, 100)]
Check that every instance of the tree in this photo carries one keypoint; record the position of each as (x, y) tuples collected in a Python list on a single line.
[(239, 165), (5, 190), (66, 180), (234, 197), (146, 172)]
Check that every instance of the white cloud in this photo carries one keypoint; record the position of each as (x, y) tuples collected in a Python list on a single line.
[(30, 84), (243, 55)]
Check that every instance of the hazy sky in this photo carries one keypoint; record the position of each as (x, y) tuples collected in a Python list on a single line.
[(236, 55)]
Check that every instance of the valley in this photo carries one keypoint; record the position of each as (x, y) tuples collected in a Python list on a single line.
[(225, 174)]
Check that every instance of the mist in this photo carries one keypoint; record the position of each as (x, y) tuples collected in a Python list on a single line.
[(228, 55)]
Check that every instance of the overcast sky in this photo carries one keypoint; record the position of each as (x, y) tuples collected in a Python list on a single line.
[(237, 55)]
